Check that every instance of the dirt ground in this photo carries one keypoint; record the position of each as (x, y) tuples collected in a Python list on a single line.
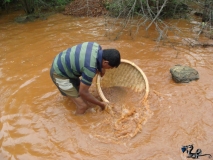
[(92, 8)]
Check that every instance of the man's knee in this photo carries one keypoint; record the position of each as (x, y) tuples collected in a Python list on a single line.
[(81, 109), (81, 106)]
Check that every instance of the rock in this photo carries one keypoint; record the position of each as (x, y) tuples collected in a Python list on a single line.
[(198, 13), (191, 42), (30, 18), (196, 22), (21, 19), (183, 74), (196, 29)]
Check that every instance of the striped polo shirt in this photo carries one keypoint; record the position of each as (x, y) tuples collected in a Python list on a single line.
[(80, 60)]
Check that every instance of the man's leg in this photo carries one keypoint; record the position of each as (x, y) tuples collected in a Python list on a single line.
[(81, 105), (70, 88)]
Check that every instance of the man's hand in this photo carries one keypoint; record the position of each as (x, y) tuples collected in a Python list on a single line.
[(84, 93), (103, 105)]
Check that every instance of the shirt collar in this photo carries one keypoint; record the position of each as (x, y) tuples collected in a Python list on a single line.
[(99, 62)]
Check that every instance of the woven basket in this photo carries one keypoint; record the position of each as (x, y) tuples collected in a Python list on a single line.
[(127, 75)]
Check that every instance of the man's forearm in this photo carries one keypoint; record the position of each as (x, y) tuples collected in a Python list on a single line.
[(90, 98)]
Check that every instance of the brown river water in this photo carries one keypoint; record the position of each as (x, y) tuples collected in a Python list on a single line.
[(37, 123)]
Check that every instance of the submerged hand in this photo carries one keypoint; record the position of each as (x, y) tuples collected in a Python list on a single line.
[(103, 105)]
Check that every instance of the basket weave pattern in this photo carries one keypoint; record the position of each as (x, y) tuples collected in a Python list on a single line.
[(126, 75)]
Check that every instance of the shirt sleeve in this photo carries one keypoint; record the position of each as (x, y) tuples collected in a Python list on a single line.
[(88, 75)]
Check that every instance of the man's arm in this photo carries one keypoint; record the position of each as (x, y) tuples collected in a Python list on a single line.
[(84, 93)]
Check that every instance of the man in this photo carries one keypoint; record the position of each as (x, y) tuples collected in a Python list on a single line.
[(83, 60)]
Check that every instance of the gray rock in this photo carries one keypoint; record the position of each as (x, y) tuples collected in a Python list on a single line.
[(183, 74)]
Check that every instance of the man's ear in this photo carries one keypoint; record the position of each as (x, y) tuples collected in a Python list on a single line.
[(105, 62)]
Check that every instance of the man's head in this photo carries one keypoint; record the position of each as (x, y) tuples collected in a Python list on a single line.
[(111, 58)]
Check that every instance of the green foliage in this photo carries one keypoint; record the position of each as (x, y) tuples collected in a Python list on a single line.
[(119, 7), (29, 6), (3, 2), (148, 7), (175, 9), (6, 1), (57, 2)]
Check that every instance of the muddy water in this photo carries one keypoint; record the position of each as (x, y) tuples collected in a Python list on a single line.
[(37, 123)]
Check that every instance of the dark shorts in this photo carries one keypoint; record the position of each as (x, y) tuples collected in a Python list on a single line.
[(67, 86)]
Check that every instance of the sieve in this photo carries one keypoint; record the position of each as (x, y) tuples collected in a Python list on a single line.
[(128, 75)]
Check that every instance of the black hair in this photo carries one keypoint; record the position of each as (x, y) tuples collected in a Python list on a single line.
[(113, 56)]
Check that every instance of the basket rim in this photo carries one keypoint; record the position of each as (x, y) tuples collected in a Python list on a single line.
[(98, 81)]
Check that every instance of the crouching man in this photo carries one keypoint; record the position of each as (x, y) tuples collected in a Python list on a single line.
[(83, 60)]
